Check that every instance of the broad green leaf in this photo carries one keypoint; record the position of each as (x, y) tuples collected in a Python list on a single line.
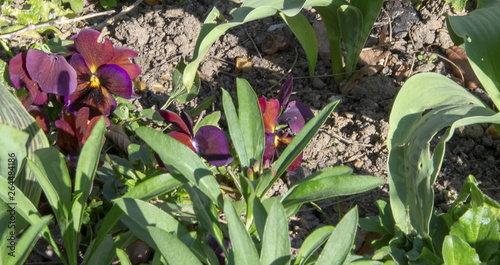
[(76, 5), (299, 142), (14, 145), (459, 5), (12, 113), (243, 248), (25, 244), (276, 241), (479, 228), (139, 152), (102, 251), (304, 32), (340, 242), (478, 29), (235, 132), (153, 187), (172, 249), (260, 216), (457, 252), (329, 183), (211, 119), (312, 243), (183, 160), (412, 166), (251, 124)]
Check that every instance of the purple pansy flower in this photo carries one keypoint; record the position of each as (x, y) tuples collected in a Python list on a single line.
[(209, 141), (102, 71), (278, 111)]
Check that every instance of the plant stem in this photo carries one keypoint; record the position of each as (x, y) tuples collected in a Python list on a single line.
[(6, 48)]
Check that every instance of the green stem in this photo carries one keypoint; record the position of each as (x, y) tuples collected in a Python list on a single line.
[(6, 48)]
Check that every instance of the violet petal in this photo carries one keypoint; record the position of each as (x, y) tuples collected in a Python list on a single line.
[(270, 147), (211, 144), (116, 80), (174, 119), (285, 92), (296, 116), (52, 72), (20, 78), (122, 57), (96, 54)]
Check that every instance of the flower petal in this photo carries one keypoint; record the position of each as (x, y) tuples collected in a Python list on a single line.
[(97, 99), (52, 72), (285, 92), (82, 70), (187, 120), (174, 119), (296, 116), (211, 144), (183, 138), (96, 54), (115, 80), (122, 57), (41, 117), (20, 78), (270, 147), (66, 138), (270, 110)]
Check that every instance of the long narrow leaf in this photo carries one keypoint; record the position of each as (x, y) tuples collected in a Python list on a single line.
[(176, 156), (340, 242), (152, 187), (172, 248), (243, 247), (312, 243), (233, 123), (276, 241)]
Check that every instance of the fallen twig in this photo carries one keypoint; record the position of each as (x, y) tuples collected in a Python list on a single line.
[(53, 23)]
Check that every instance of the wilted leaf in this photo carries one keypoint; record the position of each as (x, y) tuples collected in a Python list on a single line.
[(459, 58), (118, 136), (242, 64)]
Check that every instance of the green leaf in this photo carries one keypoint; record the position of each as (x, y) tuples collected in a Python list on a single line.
[(457, 252), (76, 5), (153, 187), (304, 32), (211, 119), (172, 249), (12, 113), (350, 21), (312, 243), (182, 94), (251, 124), (242, 245), (479, 32), (329, 183), (276, 241), (102, 252), (123, 257), (14, 146), (235, 131), (183, 160), (139, 152), (340, 242), (108, 4), (479, 228), (299, 143), (412, 165), (205, 104)]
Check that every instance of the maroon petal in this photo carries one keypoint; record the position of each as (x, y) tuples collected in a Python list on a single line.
[(20, 78), (81, 120), (177, 121), (82, 70), (66, 138), (183, 138), (296, 116), (122, 57), (97, 99), (41, 117), (211, 144), (285, 92), (96, 54), (270, 110), (270, 147), (188, 121), (295, 164), (115, 80), (52, 72)]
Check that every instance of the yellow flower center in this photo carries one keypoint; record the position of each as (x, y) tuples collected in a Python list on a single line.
[(276, 141), (94, 82)]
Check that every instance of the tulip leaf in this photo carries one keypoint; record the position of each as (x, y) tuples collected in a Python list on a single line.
[(412, 165), (341, 240), (252, 128), (336, 181), (457, 252), (243, 248), (312, 243), (304, 32), (350, 18), (478, 30), (276, 241), (172, 249), (330, 17), (479, 228), (300, 141), (183, 160)]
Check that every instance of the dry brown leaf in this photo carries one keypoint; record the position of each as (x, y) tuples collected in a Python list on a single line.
[(118, 136), (367, 248), (139, 85), (382, 38), (372, 56), (459, 58), (402, 72), (242, 64)]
